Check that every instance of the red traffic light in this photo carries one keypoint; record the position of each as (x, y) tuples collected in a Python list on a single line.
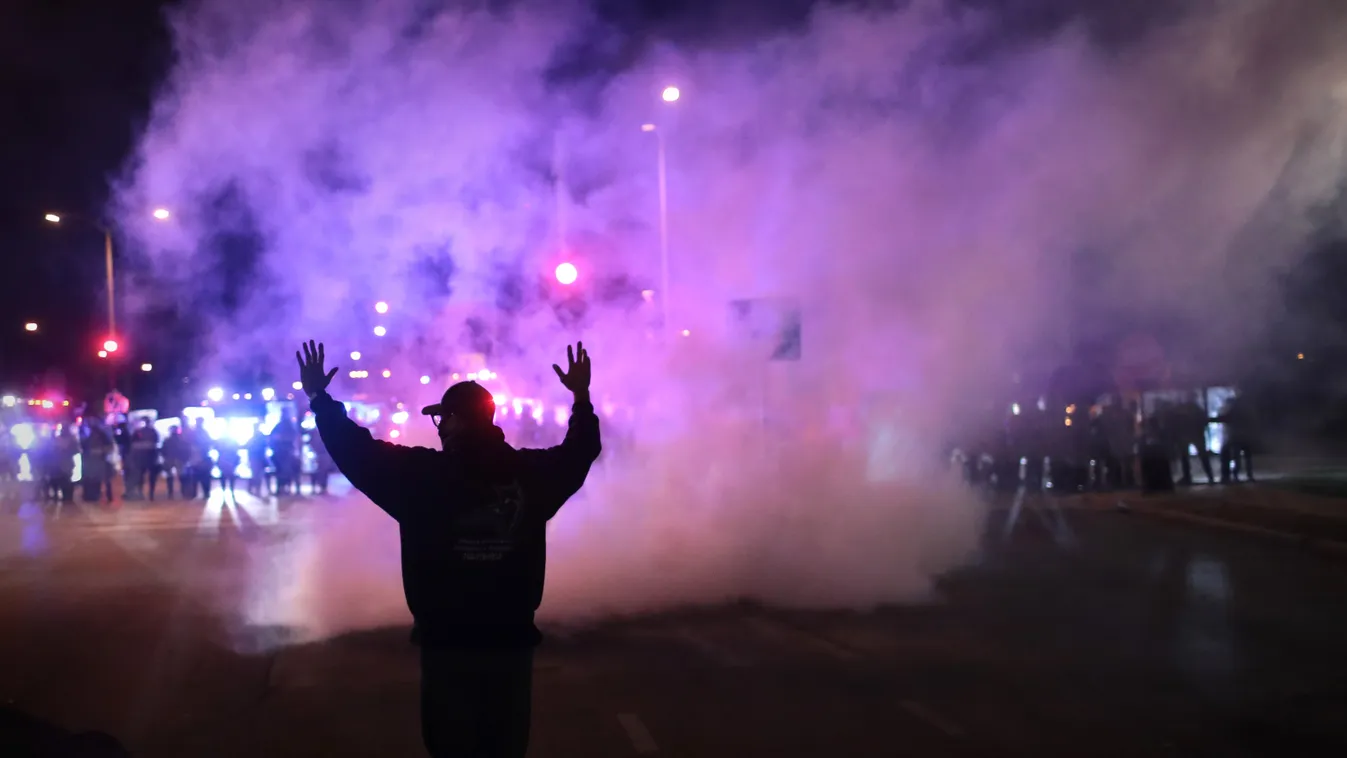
[(567, 273), (110, 346)]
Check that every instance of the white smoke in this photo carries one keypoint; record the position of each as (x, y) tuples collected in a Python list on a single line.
[(917, 190)]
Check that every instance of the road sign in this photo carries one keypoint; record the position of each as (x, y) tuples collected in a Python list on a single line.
[(769, 326)]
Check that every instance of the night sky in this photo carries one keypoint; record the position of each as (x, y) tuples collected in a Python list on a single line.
[(77, 78)]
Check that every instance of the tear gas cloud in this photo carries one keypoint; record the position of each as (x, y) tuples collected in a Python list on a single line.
[(916, 182)]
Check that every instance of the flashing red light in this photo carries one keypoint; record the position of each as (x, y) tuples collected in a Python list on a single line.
[(110, 346)]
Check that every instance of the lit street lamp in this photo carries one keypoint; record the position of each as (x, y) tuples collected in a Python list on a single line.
[(160, 214)]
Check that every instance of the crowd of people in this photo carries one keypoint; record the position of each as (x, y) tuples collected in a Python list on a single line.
[(1110, 445), (187, 460)]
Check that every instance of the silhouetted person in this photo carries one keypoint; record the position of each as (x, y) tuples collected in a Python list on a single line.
[(227, 459), (1119, 421), (66, 447), (322, 464), (1191, 428), (142, 463), (96, 457), (175, 454), (284, 440), (258, 462), (473, 520), (198, 461), (1240, 434)]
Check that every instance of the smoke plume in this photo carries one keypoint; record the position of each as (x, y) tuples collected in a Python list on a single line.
[(920, 183)]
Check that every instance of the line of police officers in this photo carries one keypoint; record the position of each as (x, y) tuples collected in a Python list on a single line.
[(185, 459), (1109, 445)]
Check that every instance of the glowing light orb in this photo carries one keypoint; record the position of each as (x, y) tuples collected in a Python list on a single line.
[(296, 385), (147, 367), (30, 327), (387, 373), (102, 353), (161, 214), (355, 356), (425, 380), (110, 346), (379, 331), (268, 393), (381, 307), (567, 273), (671, 94), (215, 394)]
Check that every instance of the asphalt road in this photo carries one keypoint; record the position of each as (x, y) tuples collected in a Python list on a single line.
[(1082, 631)]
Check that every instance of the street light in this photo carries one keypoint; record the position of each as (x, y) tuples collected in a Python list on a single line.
[(663, 215), (567, 273), (160, 214)]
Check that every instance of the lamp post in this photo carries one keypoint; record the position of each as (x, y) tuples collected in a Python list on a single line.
[(669, 95), (160, 214)]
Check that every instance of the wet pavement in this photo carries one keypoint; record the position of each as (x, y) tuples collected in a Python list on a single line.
[(1083, 630)]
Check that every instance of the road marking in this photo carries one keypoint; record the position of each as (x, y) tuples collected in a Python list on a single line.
[(931, 718), (789, 634), (637, 733), (718, 653)]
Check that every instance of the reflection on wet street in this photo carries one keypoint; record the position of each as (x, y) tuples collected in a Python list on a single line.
[(1079, 630)]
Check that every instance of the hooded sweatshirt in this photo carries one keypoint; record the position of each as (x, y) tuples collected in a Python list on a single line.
[(472, 521)]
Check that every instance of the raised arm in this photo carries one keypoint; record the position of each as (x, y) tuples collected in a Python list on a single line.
[(377, 468), (570, 461)]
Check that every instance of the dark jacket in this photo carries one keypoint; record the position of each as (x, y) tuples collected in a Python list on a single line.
[(472, 523)]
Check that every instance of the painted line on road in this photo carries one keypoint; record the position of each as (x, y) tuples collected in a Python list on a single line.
[(637, 733), (933, 719), (719, 653), (789, 635), (1333, 546)]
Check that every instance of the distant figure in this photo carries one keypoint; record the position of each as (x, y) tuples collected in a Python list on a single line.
[(142, 464), (259, 484), (66, 447), (198, 461), (1240, 439), (227, 459), (284, 440), (1191, 422), (473, 520), (175, 454), (96, 458), (322, 464)]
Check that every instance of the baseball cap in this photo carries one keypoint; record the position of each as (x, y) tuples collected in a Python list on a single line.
[(465, 399)]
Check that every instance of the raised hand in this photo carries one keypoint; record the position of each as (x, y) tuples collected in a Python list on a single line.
[(311, 374), (576, 378)]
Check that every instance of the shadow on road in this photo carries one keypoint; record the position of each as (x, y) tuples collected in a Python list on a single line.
[(25, 736)]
